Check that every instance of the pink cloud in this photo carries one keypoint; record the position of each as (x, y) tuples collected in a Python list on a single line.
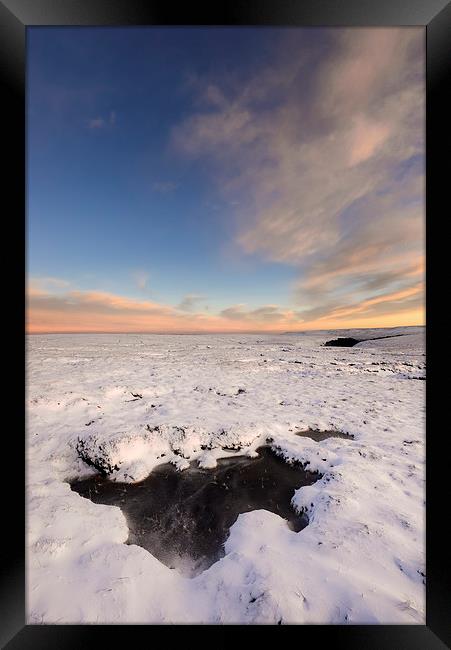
[(366, 138), (315, 174), (97, 311)]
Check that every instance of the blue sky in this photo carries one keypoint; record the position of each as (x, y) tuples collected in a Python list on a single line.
[(108, 201), (193, 169)]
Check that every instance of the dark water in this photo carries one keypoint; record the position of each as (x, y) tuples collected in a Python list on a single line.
[(343, 342), (350, 342), (319, 436), (183, 518)]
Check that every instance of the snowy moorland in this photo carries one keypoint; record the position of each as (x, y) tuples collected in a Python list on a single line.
[(134, 401)]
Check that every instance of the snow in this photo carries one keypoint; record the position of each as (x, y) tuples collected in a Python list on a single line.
[(361, 559)]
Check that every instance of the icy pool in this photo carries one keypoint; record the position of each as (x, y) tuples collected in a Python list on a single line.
[(183, 518), (319, 436)]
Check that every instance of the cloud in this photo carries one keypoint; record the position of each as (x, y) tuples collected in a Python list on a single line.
[(398, 301), (191, 301), (324, 151), (96, 301), (102, 311), (96, 311), (265, 314), (325, 292), (366, 138), (99, 311), (42, 284)]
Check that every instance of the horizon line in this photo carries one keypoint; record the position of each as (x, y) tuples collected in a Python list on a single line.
[(198, 332)]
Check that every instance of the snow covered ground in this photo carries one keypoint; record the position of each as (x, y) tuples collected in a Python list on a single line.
[(138, 400)]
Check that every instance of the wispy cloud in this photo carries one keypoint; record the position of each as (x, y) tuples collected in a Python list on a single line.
[(99, 311), (191, 302), (388, 303), (265, 314), (329, 170), (47, 283)]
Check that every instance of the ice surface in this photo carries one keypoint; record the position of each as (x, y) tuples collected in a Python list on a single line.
[(361, 558)]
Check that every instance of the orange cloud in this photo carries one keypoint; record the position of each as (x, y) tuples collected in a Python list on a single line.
[(366, 138), (95, 311), (397, 298)]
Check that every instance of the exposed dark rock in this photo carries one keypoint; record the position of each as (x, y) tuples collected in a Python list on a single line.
[(95, 456)]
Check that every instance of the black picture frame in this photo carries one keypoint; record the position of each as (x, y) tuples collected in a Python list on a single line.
[(435, 16)]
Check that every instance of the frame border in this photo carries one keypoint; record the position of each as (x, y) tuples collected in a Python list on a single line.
[(435, 16)]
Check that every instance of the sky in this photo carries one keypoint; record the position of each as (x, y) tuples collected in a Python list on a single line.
[(224, 179)]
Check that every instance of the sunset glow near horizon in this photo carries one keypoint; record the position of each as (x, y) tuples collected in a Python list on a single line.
[(225, 179)]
